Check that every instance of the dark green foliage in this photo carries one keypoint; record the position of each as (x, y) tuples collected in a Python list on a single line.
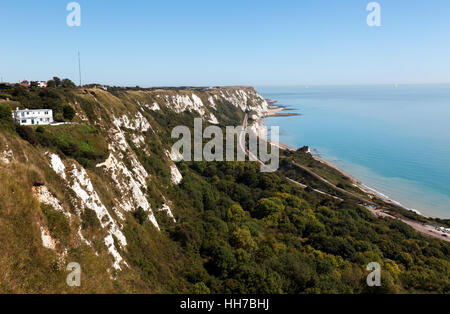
[(81, 142), (5, 114), (66, 83), (237, 230), (221, 262), (68, 113), (51, 84), (89, 219), (40, 129), (141, 215), (42, 98), (6, 120), (257, 233), (57, 81), (27, 134)]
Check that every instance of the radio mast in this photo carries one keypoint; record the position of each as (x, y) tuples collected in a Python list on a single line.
[(79, 66)]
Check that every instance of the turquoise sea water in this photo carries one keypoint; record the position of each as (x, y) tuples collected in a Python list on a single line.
[(396, 140)]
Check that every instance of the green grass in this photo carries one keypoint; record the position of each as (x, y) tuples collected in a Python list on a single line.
[(84, 143)]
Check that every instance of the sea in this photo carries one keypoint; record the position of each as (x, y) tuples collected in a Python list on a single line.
[(395, 139)]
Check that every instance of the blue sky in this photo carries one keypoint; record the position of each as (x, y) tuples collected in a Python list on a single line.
[(250, 42)]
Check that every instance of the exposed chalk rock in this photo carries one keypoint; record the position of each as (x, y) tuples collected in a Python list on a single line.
[(44, 196), (213, 119), (47, 241), (7, 156), (176, 176), (167, 209), (174, 155), (57, 165)]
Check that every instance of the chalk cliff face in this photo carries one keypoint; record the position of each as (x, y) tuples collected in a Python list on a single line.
[(133, 176), (105, 193)]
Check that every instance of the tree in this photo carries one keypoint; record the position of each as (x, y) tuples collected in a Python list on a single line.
[(200, 288), (67, 83), (68, 113), (57, 81), (51, 84), (268, 206), (242, 238), (222, 261)]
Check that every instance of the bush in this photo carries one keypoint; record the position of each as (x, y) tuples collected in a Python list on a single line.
[(268, 206), (89, 220), (5, 96), (222, 261), (200, 288), (6, 120), (57, 223), (5, 114), (27, 134), (67, 83), (68, 113), (140, 215)]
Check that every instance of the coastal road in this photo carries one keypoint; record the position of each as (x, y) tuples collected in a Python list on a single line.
[(424, 229), (315, 190), (315, 175), (252, 157)]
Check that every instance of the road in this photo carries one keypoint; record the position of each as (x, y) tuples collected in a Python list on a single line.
[(315, 175), (424, 229), (252, 157)]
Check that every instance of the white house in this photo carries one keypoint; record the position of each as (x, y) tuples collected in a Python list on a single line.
[(33, 117)]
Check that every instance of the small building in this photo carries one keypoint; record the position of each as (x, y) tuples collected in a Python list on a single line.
[(33, 117), (42, 84)]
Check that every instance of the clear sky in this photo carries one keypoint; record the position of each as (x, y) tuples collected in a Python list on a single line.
[(227, 42)]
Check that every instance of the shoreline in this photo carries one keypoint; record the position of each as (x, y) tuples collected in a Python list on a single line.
[(274, 112), (423, 228)]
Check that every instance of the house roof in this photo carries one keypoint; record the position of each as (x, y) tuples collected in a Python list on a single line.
[(19, 110)]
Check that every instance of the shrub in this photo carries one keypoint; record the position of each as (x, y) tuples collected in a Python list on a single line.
[(27, 134), (5, 114), (140, 215), (268, 206), (68, 112), (89, 220), (57, 223), (222, 261), (67, 83), (200, 288)]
